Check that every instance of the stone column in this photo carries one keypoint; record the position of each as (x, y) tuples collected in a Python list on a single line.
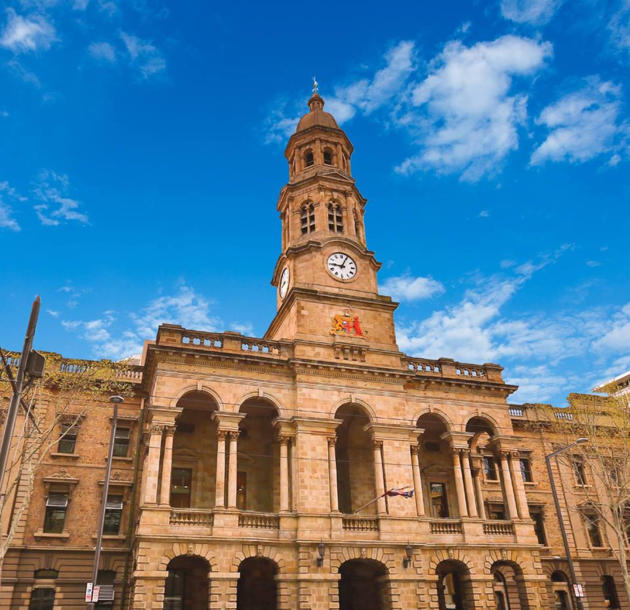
[(378, 477), (507, 486), (332, 474), (417, 480), (284, 473), (219, 486), (153, 464), (232, 467), (459, 484), (477, 483), (519, 486), (167, 467), (470, 490)]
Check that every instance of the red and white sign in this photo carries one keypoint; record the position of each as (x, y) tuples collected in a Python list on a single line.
[(88, 592), (578, 590), (95, 593)]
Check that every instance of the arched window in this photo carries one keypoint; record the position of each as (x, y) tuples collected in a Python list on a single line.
[(335, 218), (42, 598), (328, 156), (308, 158), (307, 218)]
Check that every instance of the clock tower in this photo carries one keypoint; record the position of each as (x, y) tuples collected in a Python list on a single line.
[(327, 291)]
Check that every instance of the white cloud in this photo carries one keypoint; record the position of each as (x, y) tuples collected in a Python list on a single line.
[(617, 336), (484, 214), (582, 124), (143, 55), (409, 288), (8, 196), (462, 114), (103, 51), (619, 27), (369, 94), (23, 34), (55, 206), (534, 12), (364, 95), (110, 338)]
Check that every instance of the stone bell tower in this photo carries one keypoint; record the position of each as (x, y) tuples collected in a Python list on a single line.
[(326, 281)]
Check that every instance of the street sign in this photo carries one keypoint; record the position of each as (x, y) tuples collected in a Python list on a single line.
[(88, 592), (97, 590), (578, 590)]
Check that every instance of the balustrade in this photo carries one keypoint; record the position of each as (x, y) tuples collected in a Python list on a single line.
[(498, 528), (360, 524), (259, 521), (444, 526), (190, 516)]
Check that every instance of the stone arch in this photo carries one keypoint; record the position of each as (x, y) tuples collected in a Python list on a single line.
[(454, 586), (365, 583), (197, 387), (477, 423), (510, 574), (348, 553), (456, 555), (446, 420), (257, 550), (263, 396), (353, 400), (197, 550)]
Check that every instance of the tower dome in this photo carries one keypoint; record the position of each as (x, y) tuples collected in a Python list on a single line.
[(316, 117)]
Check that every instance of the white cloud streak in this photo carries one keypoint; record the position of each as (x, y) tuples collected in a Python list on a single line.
[(582, 125), (103, 51), (533, 12), (410, 288), (112, 338), (143, 55), (9, 196), (55, 207), (27, 34)]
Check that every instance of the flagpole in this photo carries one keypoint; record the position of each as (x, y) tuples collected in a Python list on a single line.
[(379, 497)]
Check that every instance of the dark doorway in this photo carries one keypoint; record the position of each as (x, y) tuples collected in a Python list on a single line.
[(363, 586), (454, 587), (257, 588), (187, 586)]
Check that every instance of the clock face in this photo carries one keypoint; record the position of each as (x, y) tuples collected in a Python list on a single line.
[(341, 266), (284, 282)]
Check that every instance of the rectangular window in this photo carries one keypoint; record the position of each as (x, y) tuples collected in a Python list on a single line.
[(55, 517), (490, 468), (42, 598), (591, 521), (439, 501), (181, 484), (67, 438), (113, 515), (496, 511), (536, 515), (526, 470), (579, 471), (121, 442)]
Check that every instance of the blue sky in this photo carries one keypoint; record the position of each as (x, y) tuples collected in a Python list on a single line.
[(143, 154)]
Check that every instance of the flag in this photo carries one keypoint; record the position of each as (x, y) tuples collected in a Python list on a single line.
[(400, 492)]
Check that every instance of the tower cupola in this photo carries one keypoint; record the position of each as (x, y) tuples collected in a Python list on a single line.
[(318, 144)]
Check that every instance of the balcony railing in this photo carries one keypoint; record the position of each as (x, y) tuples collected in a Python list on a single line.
[(360, 524), (445, 526), (199, 517), (445, 367), (259, 521), (499, 528), (228, 342)]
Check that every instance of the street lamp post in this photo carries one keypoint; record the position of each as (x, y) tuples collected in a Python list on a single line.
[(115, 400), (556, 501)]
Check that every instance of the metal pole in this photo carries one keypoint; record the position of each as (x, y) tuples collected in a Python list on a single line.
[(9, 425), (565, 540), (97, 553)]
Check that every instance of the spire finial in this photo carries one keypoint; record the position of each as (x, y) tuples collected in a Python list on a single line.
[(315, 86)]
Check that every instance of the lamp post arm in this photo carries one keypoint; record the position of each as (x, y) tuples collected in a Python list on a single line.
[(563, 532)]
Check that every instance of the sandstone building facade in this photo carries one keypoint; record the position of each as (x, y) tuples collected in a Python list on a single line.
[(245, 468)]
